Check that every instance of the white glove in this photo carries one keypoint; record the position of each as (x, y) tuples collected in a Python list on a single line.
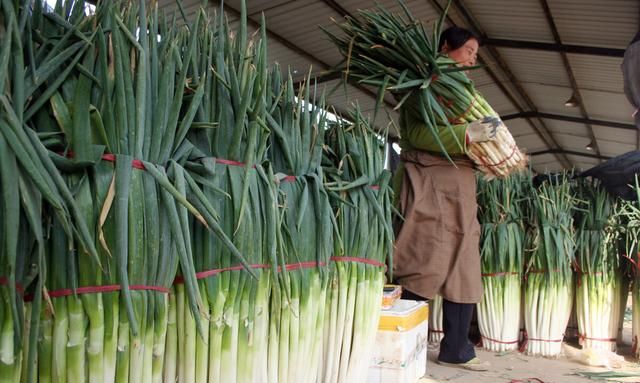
[(484, 129)]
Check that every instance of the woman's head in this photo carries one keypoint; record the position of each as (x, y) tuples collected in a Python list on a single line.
[(460, 44)]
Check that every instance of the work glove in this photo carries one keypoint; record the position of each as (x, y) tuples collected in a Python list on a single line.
[(483, 130)]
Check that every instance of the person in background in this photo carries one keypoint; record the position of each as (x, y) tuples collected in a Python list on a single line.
[(437, 242), (631, 74)]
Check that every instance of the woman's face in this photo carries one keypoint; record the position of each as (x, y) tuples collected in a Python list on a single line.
[(466, 55)]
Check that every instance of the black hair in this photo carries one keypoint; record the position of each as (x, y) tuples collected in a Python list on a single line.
[(455, 37)]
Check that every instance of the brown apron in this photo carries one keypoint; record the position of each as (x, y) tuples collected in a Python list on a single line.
[(437, 244)]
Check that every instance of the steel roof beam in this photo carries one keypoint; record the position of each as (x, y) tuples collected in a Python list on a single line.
[(570, 74), (571, 152), (554, 47), (561, 117)]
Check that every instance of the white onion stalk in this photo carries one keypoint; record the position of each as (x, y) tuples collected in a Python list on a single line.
[(549, 283)]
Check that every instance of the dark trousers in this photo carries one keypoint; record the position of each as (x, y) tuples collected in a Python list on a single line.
[(455, 347)]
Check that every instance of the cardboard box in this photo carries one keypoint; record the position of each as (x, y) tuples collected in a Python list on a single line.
[(400, 350)]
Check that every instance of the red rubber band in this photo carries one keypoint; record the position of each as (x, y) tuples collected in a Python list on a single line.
[(460, 118), (99, 289), (499, 274), (4, 281), (137, 164), (230, 162), (289, 267), (610, 340), (545, 340), (375, 187), (288, 179), (499, 341), (358, 260), (513, 151), (436, 331)]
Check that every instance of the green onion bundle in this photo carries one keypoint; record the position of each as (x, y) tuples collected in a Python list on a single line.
[(228, 338), (361, 197), (109, 107), (629, 219), (30, 184), (599, 278), (550, 243), (395, 53), (502, 250), (304, 230)]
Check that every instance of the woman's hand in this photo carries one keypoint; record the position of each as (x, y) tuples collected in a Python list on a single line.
[(483, 130)]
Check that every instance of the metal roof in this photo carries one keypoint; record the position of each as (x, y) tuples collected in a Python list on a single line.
[(537, 54)]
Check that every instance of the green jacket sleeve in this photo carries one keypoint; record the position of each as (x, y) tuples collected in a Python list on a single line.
[(415, 134)]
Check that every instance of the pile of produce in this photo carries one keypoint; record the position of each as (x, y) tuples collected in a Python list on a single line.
[(501, 215), (550, 246), (599, 279), (171, 209)]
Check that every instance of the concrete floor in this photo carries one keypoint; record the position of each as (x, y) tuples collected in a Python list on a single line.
[(519, 368)]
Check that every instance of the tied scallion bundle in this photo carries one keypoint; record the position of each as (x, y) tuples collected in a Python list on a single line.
[(501, 217), (395, 53), (550, 244), (629, 220), (361, 197), (599, 280), (297, 122)]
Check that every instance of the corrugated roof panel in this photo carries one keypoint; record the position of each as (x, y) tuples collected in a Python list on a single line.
[(615, 135), (513, 19), (607, 106), (530, 143), (614, 148), (597, 72), (420, 9), (571, 142), (611, 23), (583, 163), (480, 77), (537, 67), (519, 127), (498, 101), (551, 99), (565, 127)]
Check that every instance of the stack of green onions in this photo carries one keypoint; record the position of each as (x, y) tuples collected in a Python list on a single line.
[(550, 243), (599, 278), (29, 184), (297, 121), (395, 53), (360, 194), (228, 145), (111, 92), (436, 330), (502, 252), (629, 220)]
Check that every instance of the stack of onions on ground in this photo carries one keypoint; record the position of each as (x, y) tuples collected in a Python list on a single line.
[(31, 186), (629, 220), (599, 278), (114, 127), (227, 340), (501, 251), (550, 247), (395, 53), (297, 121), (360, 193)]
